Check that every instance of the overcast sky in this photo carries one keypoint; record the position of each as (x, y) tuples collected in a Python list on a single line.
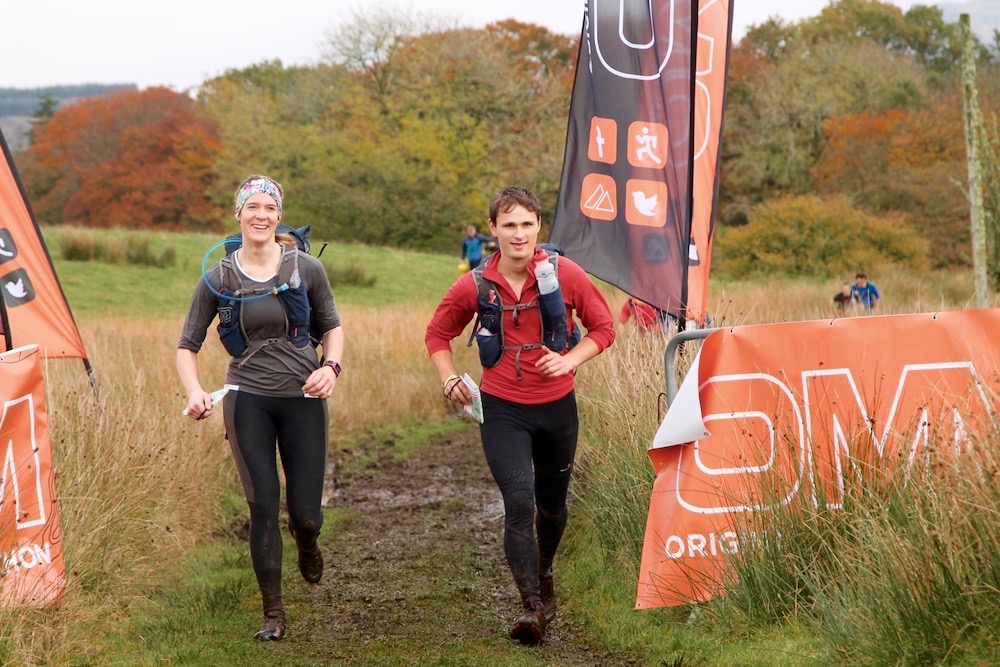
[(183, 42)]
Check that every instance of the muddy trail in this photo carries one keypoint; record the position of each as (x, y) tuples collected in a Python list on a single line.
[(417, 575)]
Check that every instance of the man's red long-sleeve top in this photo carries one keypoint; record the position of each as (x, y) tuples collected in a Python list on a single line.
[(460, 306)]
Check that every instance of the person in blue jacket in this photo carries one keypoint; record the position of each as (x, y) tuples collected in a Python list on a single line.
[(866, 293), (472, 246)]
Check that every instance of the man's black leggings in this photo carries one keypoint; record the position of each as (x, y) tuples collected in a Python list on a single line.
[(530, 451), (299, 425)]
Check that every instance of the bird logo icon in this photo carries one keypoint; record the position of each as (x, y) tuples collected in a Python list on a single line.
[(17, 289), (643, 204)]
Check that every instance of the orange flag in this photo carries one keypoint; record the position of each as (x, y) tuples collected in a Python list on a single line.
[(33, 305), (31, 556), (639, 187)]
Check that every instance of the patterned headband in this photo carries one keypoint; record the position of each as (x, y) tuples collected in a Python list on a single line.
[(255, 186)]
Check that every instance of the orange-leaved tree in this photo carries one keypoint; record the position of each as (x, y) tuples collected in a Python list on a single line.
[(907, 162), (136, 159)]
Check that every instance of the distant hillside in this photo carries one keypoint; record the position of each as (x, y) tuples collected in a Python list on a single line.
[(18, 105), (984, 15), (15, 130), (25, 101)]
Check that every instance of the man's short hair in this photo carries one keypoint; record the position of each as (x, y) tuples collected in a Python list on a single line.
[(512, 196), (861, 274)]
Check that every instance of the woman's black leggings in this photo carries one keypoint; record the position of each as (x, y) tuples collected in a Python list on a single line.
[(299, 426), (530, 451)]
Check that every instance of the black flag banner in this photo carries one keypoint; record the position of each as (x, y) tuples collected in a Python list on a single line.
[(645, 122)]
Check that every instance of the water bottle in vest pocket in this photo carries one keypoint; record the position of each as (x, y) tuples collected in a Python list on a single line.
[(553, 310), (553, 320), (296, 303)]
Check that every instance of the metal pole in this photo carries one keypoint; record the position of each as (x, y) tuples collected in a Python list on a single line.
[(668, 357), (5, 325)]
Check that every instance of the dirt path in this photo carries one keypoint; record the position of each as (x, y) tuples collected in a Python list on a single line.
[(418, 577)]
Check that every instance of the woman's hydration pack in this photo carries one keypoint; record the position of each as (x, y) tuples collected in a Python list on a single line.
[(288, 287)]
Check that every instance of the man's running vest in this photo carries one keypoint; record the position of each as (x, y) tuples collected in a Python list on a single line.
[(488, 328), (288, 287)]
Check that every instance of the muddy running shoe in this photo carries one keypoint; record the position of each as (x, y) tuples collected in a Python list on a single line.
[(311, 564), (310, 559), (546, 588), (530, 627), (273, 628)]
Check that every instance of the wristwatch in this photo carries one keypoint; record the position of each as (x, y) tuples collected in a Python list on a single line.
[(335, 366)]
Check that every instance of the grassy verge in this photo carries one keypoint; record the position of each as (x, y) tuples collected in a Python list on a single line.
[(362, 275), (904, 573), (205, 613), (140, 488)]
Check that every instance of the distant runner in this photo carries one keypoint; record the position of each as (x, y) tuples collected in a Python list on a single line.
[(845, 302), (472, 246), (866, 293)]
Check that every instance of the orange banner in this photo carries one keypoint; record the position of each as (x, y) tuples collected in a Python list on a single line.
[(777, 415), (36, 309), (712, 67), (31, 556)]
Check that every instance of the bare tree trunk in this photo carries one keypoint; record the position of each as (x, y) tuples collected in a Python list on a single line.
[(973, 129)]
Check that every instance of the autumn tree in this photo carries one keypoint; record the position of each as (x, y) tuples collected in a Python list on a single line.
[(788, 79), (907, 162), (776, 110), (136, 159), (394, 139), (807, 235)]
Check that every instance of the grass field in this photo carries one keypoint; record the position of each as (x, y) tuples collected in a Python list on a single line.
[(174, 488)]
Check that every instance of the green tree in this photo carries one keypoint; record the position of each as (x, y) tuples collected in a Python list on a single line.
[(427, 134), (47, 107), (815, 236)]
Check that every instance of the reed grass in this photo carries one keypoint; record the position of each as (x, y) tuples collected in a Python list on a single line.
[(905, 573), (123, 248), (140, 488)]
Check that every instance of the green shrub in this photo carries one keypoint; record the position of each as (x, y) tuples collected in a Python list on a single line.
[(123, 249), (351, 274), (816, 236)]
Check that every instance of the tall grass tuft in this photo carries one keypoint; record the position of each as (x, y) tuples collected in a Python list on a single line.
[(916, 578), (137, 488), (126, 248), (621, 400), (907, 571), (349, 274)]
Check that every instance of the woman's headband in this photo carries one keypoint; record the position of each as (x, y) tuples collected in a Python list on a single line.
[(255, 186)]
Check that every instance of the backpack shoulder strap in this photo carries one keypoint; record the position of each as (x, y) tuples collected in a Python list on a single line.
[(288, 268), (483, 287), (229, 277)]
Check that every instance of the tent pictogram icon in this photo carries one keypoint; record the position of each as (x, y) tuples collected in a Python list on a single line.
[(598, 197)]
